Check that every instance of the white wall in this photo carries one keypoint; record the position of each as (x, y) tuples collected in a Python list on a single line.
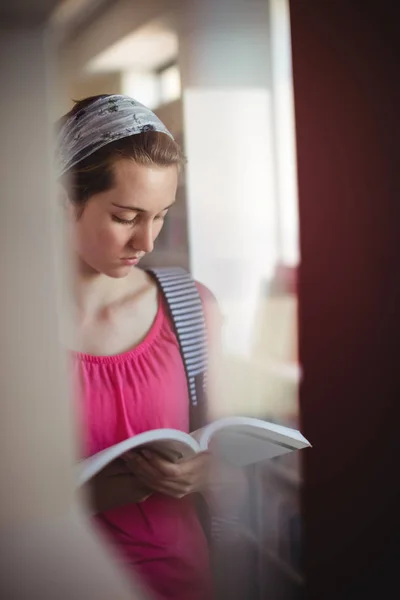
[(229, 140), (231, 201)]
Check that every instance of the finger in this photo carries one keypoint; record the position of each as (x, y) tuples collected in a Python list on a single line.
[(137, 464), (168, 488), (184, 469), (202, 458), (164, 467), (191, 475), (195, 481), (198, 465), (143, 470)]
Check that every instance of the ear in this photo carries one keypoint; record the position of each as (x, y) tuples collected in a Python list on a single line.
[(65, 203)]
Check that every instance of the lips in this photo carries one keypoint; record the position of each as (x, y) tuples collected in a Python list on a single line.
[(130, 261)]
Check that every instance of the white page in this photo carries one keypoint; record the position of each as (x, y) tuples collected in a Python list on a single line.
[(268, 430), (244, 440), (241, 449), (174, 440)]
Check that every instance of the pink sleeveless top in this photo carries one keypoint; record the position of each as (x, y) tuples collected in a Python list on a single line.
[(160, 539)]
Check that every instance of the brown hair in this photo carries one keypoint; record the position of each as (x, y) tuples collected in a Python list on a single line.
[(95, 174)]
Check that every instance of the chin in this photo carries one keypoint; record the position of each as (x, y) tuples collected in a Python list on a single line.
[(119, 272), (110, 269)]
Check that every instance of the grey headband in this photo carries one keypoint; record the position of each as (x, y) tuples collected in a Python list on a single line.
[(104, 121)]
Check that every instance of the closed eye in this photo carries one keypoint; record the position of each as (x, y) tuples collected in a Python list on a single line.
[(123, 221), (132, 221)]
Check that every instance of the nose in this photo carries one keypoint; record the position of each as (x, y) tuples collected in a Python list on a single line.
[(142, 240)]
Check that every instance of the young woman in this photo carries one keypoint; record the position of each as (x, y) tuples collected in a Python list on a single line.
[(118, 167)]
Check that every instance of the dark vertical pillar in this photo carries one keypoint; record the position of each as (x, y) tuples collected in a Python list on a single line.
[(346, 73)]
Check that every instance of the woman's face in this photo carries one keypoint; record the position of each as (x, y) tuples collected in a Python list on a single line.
[(119, 226)]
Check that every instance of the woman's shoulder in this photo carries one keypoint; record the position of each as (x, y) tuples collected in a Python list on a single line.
[(211, 309), (205, 293), (209, 301)]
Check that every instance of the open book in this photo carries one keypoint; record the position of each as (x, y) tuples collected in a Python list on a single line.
[(240, 441)]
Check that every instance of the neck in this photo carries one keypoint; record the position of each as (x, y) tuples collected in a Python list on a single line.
[(95, 291)]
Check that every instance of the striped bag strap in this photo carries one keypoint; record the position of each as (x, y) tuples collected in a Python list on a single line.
[(187, 315)]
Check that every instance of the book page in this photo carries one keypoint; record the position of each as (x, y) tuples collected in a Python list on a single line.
[(170, 441), (271, 431), (170, 450), (243, 441), (199, 434), (241, 447)]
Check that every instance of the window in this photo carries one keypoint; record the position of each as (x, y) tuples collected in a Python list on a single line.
[(170, 84), (153, 88)]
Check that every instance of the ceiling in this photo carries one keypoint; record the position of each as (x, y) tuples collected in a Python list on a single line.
[(71, 15), (21, 11), (65, 15), (146, 49)]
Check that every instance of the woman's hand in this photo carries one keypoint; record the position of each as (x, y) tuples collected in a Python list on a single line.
[(115, 486), (172, 479), (224, 487)]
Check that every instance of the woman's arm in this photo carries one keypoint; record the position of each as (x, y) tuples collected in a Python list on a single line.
[(223, 486), (118, 485)]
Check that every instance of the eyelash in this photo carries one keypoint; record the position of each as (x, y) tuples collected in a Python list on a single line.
[(131, 222), (123, 221)]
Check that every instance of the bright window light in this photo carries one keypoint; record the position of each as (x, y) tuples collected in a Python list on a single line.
[(170, 84)]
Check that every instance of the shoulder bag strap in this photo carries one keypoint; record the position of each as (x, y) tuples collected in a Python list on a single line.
[(187, 315)]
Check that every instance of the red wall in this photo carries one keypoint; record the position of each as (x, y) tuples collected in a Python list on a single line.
[(346, 75)]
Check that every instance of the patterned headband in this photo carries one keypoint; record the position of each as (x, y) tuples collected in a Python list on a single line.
[(104, 121)]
